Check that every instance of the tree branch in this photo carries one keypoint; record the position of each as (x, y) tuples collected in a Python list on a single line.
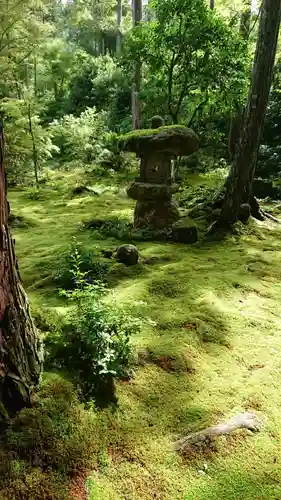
[(12, 43), (203, 438), (200, 105), (256, 20), (6, 31), (182, 94)]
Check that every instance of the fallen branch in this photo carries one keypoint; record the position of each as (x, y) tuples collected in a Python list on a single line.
[(204, 438), (269, 216)]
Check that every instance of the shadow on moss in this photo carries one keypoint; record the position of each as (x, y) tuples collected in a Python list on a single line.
[(47, 444)]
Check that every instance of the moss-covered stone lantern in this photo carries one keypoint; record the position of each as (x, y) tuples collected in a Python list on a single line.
[(153, 190)]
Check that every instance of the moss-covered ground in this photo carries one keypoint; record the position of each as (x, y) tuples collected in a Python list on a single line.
[(210, 347)]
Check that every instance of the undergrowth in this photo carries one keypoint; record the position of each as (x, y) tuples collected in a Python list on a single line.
[(77, 259), (94, 341), (47, 445), (208, 349)]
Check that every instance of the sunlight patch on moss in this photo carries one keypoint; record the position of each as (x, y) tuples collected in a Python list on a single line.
[(218, 304)]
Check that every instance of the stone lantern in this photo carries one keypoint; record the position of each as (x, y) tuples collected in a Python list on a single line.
[(153, 189)]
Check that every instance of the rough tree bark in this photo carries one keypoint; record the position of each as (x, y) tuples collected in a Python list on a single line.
[(240, 179), (137, 17), (20, 352)]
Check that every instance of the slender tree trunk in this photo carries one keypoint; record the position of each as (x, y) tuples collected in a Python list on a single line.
[(212, 4), (35, 75), (102, 45), (34, 149), (239, 182), (245, 21), (20, 354), (237, 118), (137, 17), (119, 23)]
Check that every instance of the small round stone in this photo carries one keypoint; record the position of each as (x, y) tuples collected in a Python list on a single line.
[(127, 254)]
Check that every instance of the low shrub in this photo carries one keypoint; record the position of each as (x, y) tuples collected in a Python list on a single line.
[(94, 343), (35, 194), (80, 137), (19, 221), (201, 162), (123, 230), (112, 228), (190, 196), (77, 261)]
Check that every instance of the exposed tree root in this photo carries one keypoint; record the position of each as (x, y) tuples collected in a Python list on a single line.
[(260, 214), (211, 211), (201, 439), (266, 215)]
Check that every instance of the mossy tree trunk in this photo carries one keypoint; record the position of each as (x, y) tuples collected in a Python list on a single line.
[(20, 354), (239, 182)]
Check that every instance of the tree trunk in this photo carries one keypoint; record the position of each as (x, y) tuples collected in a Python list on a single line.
[(34, 149), (119, 22), (212, 4), (35, 75), (137, 17), (239, 182), (245, 21), (20, 353), (234, 131), (236, 120)]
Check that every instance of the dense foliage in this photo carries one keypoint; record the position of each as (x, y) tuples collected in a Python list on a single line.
[(193, 60), (67, 86)]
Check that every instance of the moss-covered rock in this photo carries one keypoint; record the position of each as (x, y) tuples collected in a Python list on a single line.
[(184, 231), (174, 139), (244, 212), (127, 254)]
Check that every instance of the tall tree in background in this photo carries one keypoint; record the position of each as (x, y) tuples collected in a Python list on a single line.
[(137, 17), (20, 357), (239, 182), (245, 20), (119, 22), (212, 4)]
